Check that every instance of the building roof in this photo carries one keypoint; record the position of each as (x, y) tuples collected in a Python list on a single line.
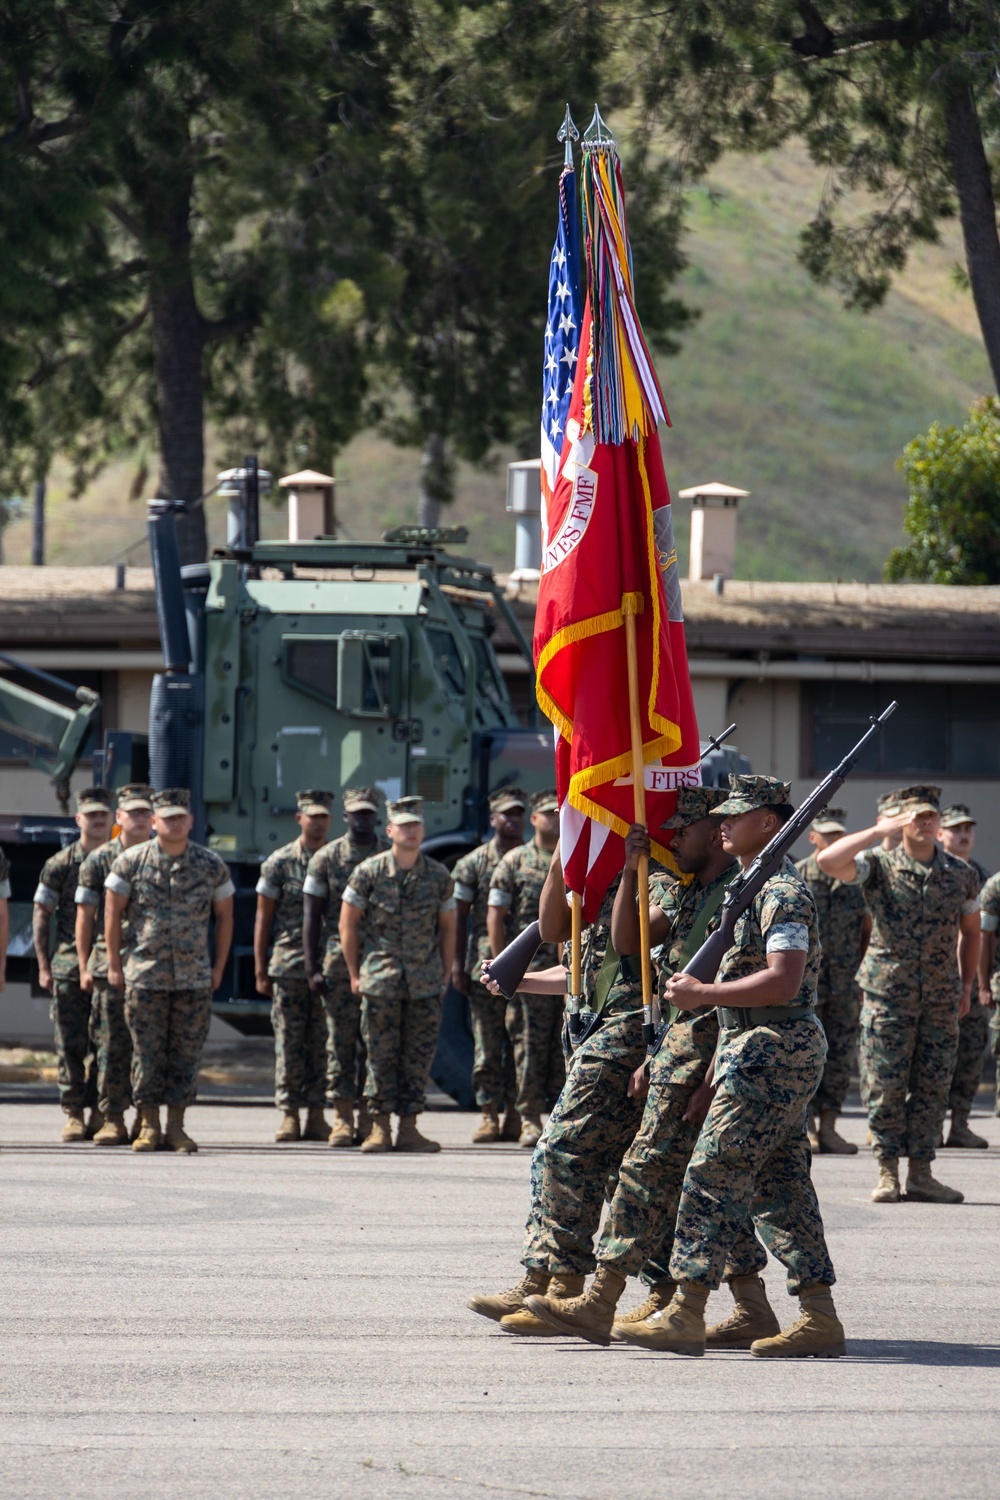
[(79, 606)]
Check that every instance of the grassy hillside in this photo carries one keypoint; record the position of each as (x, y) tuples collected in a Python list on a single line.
[(778, 390)]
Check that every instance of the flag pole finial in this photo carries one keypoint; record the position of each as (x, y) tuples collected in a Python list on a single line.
[(597, 136), (568, 133)]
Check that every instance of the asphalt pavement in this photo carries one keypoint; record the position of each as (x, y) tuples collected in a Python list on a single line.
[(265, 1321)]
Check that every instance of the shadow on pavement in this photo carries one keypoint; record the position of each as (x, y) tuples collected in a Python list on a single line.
[(924, 1352)]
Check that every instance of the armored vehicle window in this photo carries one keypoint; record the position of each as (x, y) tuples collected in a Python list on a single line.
[(447, 662), (311, 664), (368, 681), (487, 684)]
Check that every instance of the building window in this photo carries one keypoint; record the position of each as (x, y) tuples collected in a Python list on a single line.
[(938, 729)]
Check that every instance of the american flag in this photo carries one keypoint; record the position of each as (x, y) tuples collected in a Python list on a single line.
[(562, 335)]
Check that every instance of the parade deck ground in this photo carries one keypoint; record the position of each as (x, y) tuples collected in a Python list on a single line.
[(291, 1322)]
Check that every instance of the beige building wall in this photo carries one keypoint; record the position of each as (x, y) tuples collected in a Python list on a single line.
[(769, 731), (134, 689)]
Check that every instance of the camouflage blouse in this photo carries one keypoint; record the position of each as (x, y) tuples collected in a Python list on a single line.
[(781, 917), (399, 929), (916, 909), (328, 873), (170, 900), (473, 875), (90, 892), (841, 910), (689, 1045), (517, 887), (56, 891), (989, 917), (282, 876)]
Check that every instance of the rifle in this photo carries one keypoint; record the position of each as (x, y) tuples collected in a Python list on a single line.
[(746, 884), (509, 967)]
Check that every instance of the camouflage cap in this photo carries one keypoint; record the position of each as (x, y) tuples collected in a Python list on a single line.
[(361, 799), (508, 798), (547, 801), (955, 814), (695, 803), (887, 805), (405, 810), (830, 820), (746, 793), (135, 795), (314, 801), (95, 799), (171, 801), (918, 799)]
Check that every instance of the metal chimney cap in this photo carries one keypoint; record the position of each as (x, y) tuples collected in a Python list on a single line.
[(715, 490), (306, 479)]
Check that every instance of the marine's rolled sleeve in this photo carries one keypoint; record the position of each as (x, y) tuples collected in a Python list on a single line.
[(988, 921), (4, 889), (504, 899), (118, 883), (86, 897), (45, 896), (223, 891), (464, 892), (267, 888), (313, 885), (787, 937)]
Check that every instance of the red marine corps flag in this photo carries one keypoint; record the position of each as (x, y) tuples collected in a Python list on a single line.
[(610, 655)]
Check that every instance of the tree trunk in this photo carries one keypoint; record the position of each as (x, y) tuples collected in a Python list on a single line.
[(979, 216), (178, 342), (436, 480)]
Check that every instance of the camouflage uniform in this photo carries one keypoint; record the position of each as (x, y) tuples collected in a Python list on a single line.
[(71, 1006), (639, 1231), (493, 1066), (298, 1017), (110, 1034), (841, 910), (329, 871), (909, 977), (168, 977), (401, 977), (973, 1035), (575, 1163), (534, 1022), (989, 907), (753, 1152)]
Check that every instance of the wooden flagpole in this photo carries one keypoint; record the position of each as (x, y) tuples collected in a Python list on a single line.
[(576, 960), (631, 606)]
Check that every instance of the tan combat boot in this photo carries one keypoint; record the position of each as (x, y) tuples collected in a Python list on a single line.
[(75, 1128), (527, 1323), (659, 1295), (511, 1300), (960, 1134), (531, 1131), (136, 1126), (588, 1316), (408, 1137), (149, 1136), (829, 1141), (751, 1318), (488, 1128), (813, 1134), (378, 1138), (94, 1122), (678, 1328), (113, 1131), (364, 1125), (817, 1334), (342, 1133), (175, 1136), (886, 1190), (289, 1129), (317, 1126), (510, 1127), (921, 1187)]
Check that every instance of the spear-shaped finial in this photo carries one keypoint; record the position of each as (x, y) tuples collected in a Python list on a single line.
[(597, 135), (568, 133)]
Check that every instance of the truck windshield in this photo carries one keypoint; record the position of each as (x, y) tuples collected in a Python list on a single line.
[(447, 662), (487, 685)]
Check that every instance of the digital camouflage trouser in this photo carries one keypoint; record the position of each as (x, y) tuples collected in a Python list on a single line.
[(168, 1029), (908, 1059), (298, 1019), (840, 1016), (401, 1035), (973, 1035), (76, 1074), (346, 1059), (575, 1164), (753, 1155), (638, 1235), (113, 1048), (534, 1025), (493, 1074)]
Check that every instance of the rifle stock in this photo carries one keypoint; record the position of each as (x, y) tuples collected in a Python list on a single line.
[(509, 967)]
